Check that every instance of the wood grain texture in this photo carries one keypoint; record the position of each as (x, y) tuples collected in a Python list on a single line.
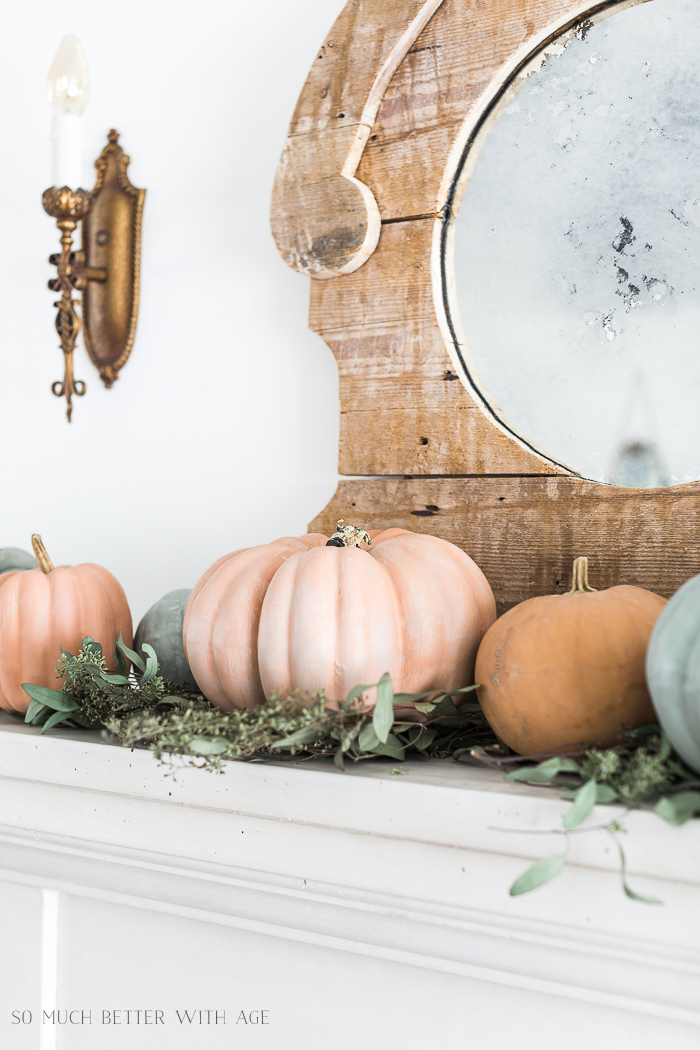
[(524, 533), (442, 78), (347, 62), (404, 411), (399, 414), (325, 221), (320, 219), (406, 407)]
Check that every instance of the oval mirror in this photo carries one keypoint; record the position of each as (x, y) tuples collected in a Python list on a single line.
[(576, 293)]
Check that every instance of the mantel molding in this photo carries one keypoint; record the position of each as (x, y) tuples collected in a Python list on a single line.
[(621, 973)]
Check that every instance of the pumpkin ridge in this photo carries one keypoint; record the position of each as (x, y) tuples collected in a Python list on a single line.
[(40, 612), (10, 599), (332, 631)]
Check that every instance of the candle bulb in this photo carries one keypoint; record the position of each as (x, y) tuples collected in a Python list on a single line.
[(68, 92)]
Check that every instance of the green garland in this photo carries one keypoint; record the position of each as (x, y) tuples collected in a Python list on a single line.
[(141, 709)]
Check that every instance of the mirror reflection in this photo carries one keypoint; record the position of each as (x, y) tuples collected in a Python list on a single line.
[(577, 252)]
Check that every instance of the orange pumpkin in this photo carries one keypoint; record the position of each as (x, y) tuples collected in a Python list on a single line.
[(564, 670), (44, 609), (300, 614)]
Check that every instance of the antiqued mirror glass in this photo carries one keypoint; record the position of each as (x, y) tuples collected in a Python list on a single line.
[(576, 293)]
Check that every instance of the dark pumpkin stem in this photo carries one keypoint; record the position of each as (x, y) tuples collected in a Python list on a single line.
[(45, 563), (348, 536), (580, 583)]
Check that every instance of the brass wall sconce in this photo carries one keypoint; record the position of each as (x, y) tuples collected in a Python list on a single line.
[(106, 269)]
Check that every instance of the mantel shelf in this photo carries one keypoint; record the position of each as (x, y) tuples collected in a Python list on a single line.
[(412, 867)]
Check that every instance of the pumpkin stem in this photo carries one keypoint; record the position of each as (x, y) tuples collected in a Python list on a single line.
[(348, 536), (580, 583), (45, 563)]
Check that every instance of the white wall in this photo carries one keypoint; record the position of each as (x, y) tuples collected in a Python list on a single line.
[(222, 431)]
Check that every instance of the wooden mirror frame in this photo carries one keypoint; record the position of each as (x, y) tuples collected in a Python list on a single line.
[(400, 96)]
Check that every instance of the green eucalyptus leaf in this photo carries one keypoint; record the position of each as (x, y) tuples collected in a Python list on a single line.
[(466, 750), (368, 739), (638, 896), (130, 654), (93, 670), (355, 693), (349, 738), (424, 738), (338, 758), (412, 698), (424, 708), (584, 801), (208, 745), (623, 873), (121, 661), (34, 710), (537, 875), (52, 698), (115, 679), (392, 746), (307, 735), (383, 716), (56, 719), (151, 663), (677, 809), (445, 707), (94, 648), (545, 771)]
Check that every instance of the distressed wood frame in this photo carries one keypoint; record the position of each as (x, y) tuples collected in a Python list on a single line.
[(395, 108)]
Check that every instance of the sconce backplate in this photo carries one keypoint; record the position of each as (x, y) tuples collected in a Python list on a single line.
[(112, 241)]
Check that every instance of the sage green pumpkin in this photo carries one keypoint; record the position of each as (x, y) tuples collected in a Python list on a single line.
[(161, 627), (12, 559), (673, 671)]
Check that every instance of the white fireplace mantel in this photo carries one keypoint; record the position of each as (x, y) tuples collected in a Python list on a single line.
[(370, 905)]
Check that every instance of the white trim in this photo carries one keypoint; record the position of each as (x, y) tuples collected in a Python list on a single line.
[(621, 973)]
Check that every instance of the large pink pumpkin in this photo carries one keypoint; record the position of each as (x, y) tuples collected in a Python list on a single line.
[(43, 610), (296, 614)]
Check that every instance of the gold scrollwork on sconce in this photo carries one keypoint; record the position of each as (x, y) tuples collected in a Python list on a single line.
[(106, 270)]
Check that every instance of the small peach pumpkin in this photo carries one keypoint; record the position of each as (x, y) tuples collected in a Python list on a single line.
[(307, 613), (44, 609), (564, 670)]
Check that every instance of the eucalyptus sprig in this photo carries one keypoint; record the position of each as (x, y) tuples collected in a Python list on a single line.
[(638, 770), (297, 726), (90, 695), (141, 709), (138, 708)]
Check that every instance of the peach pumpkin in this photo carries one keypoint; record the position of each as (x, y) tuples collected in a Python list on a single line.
[(300, 614), (564, 670), (43, 610)]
